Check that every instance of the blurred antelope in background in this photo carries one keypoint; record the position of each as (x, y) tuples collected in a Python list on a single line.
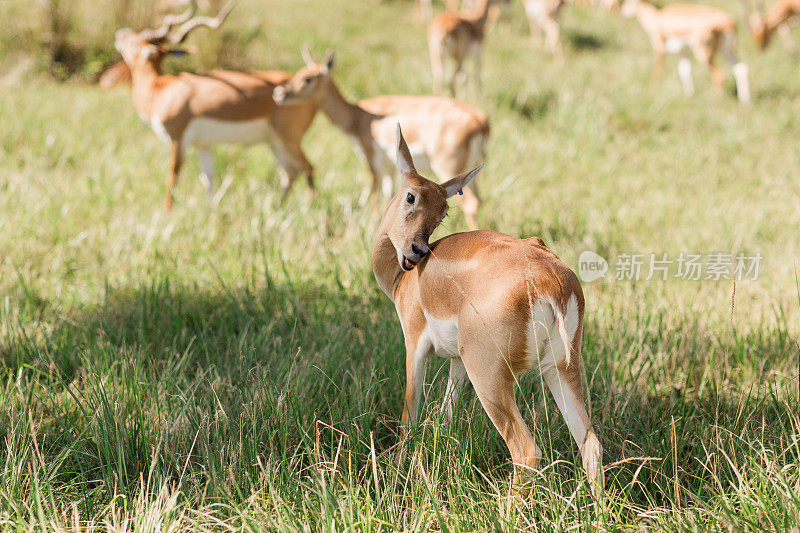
[(446, 135), (699, 29), (543, 17), (779, 17), (119, 73), (218, 107), (457, 35), (425, 8), (496, 306)]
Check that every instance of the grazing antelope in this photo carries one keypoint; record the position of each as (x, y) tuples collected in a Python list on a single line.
[(496, 306), (425, 8), (543, 17), (447, 135), (777, 18), (703, 30), (458, 35), (218, 107)]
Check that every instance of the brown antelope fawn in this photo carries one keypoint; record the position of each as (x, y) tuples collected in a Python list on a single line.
[(495, 305), (447, 135), (218, 107), (701, 30), (459, 36)]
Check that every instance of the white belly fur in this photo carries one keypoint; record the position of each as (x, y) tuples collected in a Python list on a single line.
[(205, 132), (443, 335)]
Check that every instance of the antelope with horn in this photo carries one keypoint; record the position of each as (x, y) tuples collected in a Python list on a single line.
[(701, 30), (496, 306), (204, 110), (778, 18), (457, 35), (447, 135)]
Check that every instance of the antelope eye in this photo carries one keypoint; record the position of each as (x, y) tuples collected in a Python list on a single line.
[(309, 79), (410, 198)]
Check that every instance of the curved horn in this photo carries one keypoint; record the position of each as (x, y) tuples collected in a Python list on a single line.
[(160, 33), (180, 34)]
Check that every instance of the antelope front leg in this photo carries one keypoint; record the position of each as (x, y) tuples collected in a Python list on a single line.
[(685, 74), (455, 385), (658, 58), (175, 169), (553, 38), (416, 357), (207, 172), (375, 170), (437, 64)]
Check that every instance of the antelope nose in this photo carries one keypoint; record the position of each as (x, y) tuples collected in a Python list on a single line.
[(419, 251)]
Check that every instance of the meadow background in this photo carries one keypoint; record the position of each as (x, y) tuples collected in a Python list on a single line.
[(237, 367)]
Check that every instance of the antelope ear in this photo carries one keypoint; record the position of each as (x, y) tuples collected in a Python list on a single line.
[(327, 65), (404, 163), (456, 184), (308, 59)]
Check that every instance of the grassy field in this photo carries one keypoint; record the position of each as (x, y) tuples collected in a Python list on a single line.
[(237, 367)]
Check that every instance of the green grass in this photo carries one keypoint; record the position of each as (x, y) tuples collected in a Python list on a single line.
[(237, 367)]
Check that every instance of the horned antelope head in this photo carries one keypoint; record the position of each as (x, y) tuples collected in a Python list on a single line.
[(418, 208), (308, 83), (152, 45)]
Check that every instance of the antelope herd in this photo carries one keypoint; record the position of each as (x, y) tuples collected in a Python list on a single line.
[(447, 136), (496, 306)]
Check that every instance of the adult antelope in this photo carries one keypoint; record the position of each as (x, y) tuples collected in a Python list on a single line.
[(702, 30), (543, 17), (777, 18), (447, 135), (459, 36), (495, 305), (218, 107)]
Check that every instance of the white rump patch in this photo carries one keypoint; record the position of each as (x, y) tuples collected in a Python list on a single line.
[(571, 317), (550, 333)]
